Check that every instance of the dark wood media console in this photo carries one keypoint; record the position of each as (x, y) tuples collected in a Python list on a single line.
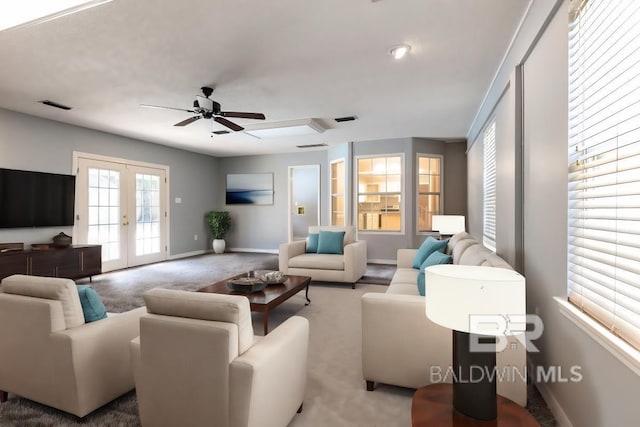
[(72, 262)]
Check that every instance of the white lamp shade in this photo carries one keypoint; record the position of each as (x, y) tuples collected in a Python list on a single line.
[(448, 224), (455, 293)]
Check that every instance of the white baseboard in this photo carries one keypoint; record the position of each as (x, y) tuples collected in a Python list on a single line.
[(382, 261), (187, 254), (551, 401), (261, 251)]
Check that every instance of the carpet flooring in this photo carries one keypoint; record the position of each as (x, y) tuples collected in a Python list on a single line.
[(336, 394)]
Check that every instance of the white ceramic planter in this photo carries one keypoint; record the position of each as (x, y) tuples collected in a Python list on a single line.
[(218, 246)]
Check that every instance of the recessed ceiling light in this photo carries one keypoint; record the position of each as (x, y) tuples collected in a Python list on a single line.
[(400, 51)]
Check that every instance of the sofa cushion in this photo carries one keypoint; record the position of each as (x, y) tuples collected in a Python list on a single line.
[(312, 243), (92, 306), (434, 259), (460, 248), (349, 231), (63, 290), (199, 305), (403, 288), (318, 262), (474, 255), (453, 241), (330, 242), (427, 247), (405, 275)]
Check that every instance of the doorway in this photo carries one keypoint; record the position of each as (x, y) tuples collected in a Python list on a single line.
[(122, 206), (304, 200)]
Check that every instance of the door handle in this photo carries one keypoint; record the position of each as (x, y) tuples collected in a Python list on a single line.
[(125, 223)]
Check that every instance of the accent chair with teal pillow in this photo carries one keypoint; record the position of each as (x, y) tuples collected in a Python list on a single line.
[(312, 243), (435, 258), (92, 306), (331, 242), (427, 247)]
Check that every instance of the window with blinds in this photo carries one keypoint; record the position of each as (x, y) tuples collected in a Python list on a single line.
[(489, 186), (604, 164)]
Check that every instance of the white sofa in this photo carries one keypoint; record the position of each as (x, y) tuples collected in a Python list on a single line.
[(348, 267), (197, 363), (49, 354), (401, 346)]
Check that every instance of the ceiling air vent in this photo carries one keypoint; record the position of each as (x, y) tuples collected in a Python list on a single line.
[(345, 119), (54, 104), (312, 145), (220, 132)]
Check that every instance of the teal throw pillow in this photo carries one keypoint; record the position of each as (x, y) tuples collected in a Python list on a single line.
[(434, 259), (92, 306), (330, 242), (312, 243), (427, 247)]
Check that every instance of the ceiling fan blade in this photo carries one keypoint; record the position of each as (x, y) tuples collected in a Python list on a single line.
[(189, 120), (257, 116), (228, 123), (165, 108)]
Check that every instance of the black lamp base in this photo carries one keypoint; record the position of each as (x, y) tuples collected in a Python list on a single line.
[(474, 386)]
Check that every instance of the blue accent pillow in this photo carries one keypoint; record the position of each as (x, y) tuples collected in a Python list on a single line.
[(92, 306), (427, 247), (434, 259), (330, 242), (312, 243)]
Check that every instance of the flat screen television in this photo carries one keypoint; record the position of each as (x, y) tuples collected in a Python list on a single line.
[(36, 199)]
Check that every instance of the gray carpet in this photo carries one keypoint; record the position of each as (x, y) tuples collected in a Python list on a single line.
[(335, 396)]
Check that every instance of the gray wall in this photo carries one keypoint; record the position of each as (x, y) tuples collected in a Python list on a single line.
[(32, 143), (264, 227), (605, 395)]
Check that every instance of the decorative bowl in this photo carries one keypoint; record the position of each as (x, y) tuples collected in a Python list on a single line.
[(273, 277), (246, 284), (61, 240)]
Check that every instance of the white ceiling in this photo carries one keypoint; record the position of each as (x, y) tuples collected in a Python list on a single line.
[(289, 59)]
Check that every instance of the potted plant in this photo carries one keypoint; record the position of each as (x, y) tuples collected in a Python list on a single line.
[(219, 224)]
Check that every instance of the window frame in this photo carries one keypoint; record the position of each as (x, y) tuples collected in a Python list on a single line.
[(344, 190), (489, 211), (595, 160), (356, 193), (418, 192)]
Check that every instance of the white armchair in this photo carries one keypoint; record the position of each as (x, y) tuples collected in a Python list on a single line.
[(348, 267), (197, 362), (50, 355)]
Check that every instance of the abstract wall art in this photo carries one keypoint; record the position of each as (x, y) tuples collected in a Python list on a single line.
[(249, 189)]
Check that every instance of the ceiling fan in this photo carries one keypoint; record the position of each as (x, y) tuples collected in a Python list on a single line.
[(206, 108)]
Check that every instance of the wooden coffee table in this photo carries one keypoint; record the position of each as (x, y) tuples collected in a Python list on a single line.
[(272, 296)]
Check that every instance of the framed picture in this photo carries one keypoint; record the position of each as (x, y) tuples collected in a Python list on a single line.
[(249, 189)]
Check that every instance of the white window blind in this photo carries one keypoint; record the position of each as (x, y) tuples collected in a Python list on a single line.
[(489, 186), (604, 163)]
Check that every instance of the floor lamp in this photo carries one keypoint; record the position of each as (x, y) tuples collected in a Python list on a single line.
[(475, 302)]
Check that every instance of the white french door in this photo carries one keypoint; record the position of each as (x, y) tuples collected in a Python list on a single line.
[(122, 207)]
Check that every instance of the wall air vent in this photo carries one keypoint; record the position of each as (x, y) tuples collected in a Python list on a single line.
[(220, 132), (312, 145), (345, 119), (54, 104)]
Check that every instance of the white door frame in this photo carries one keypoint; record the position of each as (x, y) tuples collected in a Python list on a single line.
[(77, 155), (290, 207)]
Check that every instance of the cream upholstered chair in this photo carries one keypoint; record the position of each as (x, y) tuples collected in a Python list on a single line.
[(49, 354), (197, 363), (348, 267)]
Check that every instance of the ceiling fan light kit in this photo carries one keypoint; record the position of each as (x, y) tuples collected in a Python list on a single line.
[(286, 128), (206, 108)]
